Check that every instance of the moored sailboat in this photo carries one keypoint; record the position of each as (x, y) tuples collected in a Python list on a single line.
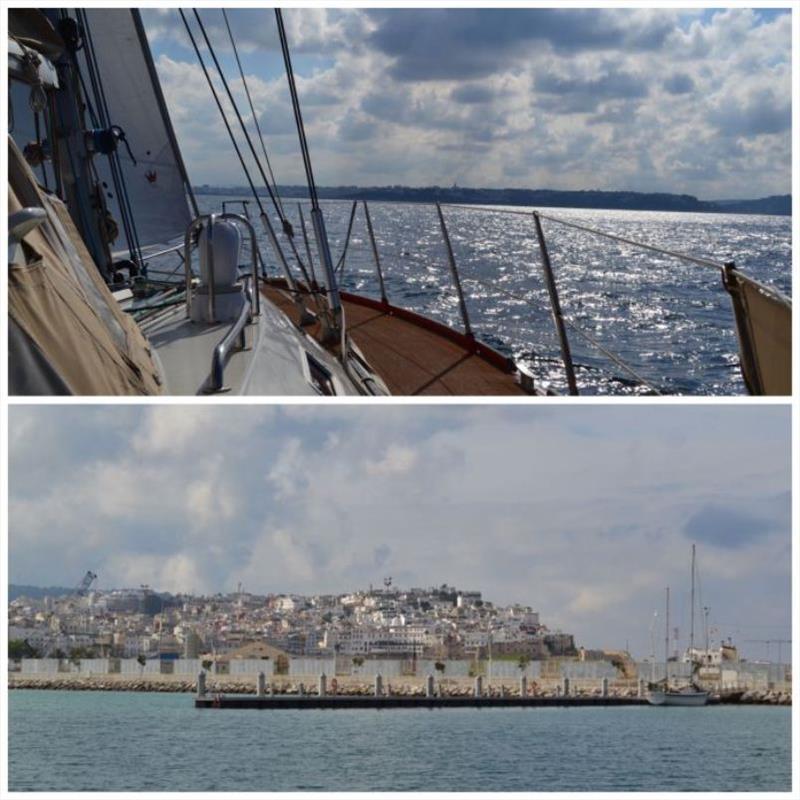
[(667, 693)]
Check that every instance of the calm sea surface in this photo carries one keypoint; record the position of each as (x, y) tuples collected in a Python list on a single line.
[(147, 742), (671, 322)]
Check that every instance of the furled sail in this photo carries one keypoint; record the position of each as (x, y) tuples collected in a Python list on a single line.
[(155, 177)]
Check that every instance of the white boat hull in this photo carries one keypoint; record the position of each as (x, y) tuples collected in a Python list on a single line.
[(678, 698)]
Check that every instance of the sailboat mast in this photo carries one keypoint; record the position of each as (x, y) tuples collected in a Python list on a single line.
[(691, 627), (666, 644)]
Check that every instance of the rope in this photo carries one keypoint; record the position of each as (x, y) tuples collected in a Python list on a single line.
[(702, 262), (253, 112), (616, 359)]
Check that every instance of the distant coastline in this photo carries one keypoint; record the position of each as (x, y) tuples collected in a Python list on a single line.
[(779, 205)]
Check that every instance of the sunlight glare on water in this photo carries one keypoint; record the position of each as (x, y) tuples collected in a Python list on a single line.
[(671, 322)]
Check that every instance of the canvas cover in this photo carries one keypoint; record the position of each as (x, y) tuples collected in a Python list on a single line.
[(66, 332), (154, 184), (764, 327)]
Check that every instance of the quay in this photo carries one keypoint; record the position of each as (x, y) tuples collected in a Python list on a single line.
[(313, 701), (380, 698)]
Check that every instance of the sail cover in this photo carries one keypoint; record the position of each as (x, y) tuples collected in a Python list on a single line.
[(156, 184)]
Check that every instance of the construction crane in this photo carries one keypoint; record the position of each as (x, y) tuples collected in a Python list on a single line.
[(768, 642), (83, 587)]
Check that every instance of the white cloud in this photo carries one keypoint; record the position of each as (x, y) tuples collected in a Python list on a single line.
[(397, 460), (368, 124)]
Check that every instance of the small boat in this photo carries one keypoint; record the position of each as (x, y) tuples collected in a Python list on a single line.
[(663, 694), (687, 696)]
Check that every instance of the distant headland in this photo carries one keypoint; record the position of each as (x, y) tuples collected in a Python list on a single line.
[(590, 198)]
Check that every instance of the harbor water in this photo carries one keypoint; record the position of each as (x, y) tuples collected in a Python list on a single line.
[(117, 741), (671, 322)]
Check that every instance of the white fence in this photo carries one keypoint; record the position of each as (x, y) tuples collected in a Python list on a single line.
[(508, 670), (251, 666), (311, 666), (387, 667), (745, 675)]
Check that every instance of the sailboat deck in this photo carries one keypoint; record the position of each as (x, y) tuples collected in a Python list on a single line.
[(412, 354)]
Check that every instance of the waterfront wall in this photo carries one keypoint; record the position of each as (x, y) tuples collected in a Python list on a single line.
[(743, 675)]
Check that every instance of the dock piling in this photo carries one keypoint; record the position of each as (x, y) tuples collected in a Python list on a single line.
[(565, 686), (605, 687), (378, 686), (261, 684), (429, 686), (322, 687), (478, 686), (201, 684), (523, 686)]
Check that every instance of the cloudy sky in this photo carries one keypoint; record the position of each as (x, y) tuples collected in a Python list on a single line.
[(584, 513), (649, 100)]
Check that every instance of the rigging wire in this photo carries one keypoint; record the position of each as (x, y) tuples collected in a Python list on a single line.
[(298, 117), (253, 112), (286, 225), (336, 317), (222, 112), (232, 100)]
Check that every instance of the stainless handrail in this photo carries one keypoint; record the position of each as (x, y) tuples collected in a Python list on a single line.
[(222, 350)]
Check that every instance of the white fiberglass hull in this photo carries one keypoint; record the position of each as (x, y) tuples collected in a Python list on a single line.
[(678, 698)]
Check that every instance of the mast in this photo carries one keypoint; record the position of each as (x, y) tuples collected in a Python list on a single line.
[(691, 627), (666, 645)]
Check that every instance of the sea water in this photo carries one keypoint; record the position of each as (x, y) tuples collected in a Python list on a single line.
[(117, 741), (670, 322)]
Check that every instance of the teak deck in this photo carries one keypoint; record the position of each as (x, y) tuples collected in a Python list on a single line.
[(413, 354)]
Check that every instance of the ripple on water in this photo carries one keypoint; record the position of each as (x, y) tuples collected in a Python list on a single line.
[(137, 742)]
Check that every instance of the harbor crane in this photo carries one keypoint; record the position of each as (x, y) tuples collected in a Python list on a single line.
[(86, 583)]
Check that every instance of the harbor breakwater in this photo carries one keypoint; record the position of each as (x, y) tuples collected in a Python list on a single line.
[(452, 688)]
